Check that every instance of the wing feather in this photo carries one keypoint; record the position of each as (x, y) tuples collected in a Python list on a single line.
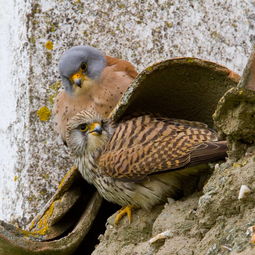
[(122, 65), (147, 144)]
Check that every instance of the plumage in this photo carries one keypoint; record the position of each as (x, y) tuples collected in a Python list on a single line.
[(91, 81), (143, 160)]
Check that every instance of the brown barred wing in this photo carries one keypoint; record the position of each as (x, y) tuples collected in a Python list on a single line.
[(145, 145)]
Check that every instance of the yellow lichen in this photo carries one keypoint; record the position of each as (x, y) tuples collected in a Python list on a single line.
[(44, 113), (27, 233), (43, 224), (240, 92), (189, 60), (32, 40), (236, 165), (215, 34), (55, 86), (31, 198), (52, 28), (52, 98), (43, 192), (149, 68), (121, 6), (15, 178), (49, 45), (67, 176), (169, 24), (45, 176)]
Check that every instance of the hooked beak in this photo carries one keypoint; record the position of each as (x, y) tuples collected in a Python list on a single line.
[(77, 82), (95, 129), (78, 78)]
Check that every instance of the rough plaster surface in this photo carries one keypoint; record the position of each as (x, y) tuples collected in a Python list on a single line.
[(14, 108), (142, 32)]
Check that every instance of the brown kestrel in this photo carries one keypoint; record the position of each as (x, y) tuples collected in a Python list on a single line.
[(141, 161), (91, 81)]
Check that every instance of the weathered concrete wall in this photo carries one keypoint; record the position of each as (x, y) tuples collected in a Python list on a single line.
[(14, 107), (142, 32)]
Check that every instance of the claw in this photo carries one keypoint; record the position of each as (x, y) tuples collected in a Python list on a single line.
[(124, 210)]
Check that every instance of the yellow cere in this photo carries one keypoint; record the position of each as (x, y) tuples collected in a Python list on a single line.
[(76, 76), (79, 75), (44, 113), (49, 45), (92, 128)]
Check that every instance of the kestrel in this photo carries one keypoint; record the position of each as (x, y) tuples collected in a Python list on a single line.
[(91, 81), (141, 161)]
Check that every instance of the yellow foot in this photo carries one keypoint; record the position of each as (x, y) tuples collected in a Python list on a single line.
[(124, 210)]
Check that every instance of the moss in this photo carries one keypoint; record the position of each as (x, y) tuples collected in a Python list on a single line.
[(44, 113)]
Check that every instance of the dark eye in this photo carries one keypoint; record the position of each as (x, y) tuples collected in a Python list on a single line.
[(103, 123), (83, 66), (83, 127)]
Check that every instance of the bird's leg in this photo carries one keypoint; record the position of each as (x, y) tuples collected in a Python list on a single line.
[(124, 210)]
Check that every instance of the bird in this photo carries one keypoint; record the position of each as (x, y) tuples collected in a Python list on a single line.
[(140, 161), (91, 80)]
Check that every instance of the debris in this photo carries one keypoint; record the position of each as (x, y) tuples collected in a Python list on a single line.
[(224, 247), (244, 192), (161, 236)]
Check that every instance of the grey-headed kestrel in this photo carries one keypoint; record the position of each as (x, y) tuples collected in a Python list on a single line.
[(141, 161), (91, 80)]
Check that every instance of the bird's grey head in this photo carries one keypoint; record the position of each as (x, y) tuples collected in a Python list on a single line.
[(87, 133), (78, 64)]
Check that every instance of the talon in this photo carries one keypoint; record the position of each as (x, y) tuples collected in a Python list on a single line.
[(124, 210)]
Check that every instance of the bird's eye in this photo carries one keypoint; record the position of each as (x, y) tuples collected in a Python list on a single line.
[(83, 127), (83, 66), (103, 123)]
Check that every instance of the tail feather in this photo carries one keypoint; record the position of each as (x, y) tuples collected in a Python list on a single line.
[(208, 152)]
